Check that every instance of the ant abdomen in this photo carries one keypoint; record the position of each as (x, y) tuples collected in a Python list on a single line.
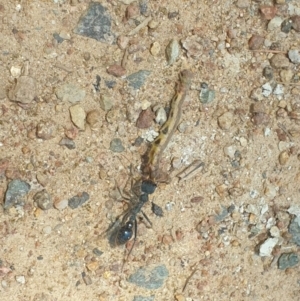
[(124, 234)]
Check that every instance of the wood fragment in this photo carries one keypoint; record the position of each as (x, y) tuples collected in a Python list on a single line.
[(191, 170)]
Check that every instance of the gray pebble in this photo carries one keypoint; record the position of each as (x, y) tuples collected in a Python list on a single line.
[(70, 92), (274, 23), (78, 116), (70, 144), (141, 298), (294, 56), (220, 217), (46, 129), (116, 145), (294, 230), (21, 279), (267, 89), (287, 260), (150, 278), (172, 51), (24, 90), (136, 80), (268, 72), (16, 191), (97, 252), (95, 23), (206, 95), (43, 200), (286, 25), (105, 102), (78, 200), (58, 38)]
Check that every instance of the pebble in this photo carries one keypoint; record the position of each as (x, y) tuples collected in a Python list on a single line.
[(268, 72), (278, 90), (47, 230), (150, 278), (294, 230), (21, 279), (286, 75), (172, 51), (95, 23), (225, 120), (160, 116), (132, 11), (116, 145), (294, 209), (43, 200), (15, 71), (267, 246), (46, 129), (268, 12), (279, 60), (70, 92), (153, 24), (270, 191), (243, 141), (116, 70), (78, 116), (61, 204), (274, 231), (93, 118), (97, 252), (288, 260), (294, 56), (286, 25), (275, 23), (15, 194), (142, 298), (42, 179), (229, 151), (296, 23), (136, 80), (24, 90), (69, 143), (193, 46), (86, 278), (206, 95), (145, 119), (221, 216), (155, 48), (106, 103), (256, 94), (243, 3), (284, 157), (78, 200), (255, 42)]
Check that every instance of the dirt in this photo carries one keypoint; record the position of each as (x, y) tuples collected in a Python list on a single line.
[(215, 221)]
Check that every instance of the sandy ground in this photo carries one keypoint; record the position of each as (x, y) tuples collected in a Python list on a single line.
[(251, 164)]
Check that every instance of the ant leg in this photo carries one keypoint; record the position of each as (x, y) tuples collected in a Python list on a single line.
[(146, 217)]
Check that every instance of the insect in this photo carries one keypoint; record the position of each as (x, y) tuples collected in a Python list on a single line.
[(153, 156)]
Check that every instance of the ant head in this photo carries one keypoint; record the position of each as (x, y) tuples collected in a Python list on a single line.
[(148, 186)]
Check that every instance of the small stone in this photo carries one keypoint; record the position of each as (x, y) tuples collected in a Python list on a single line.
[(95, 23), (145, 119), (288, 260), (15, 71), (294, 56), (153, 24), (24, 90), (92, 266), (116, 145), (160, 116), (70, 92), (155, 48), (256, 94), (267, 246), (69, 143), (268, 12), (46, 129), (279, 90), (78, 200), (284, 157), (275, 23), (87, 279), (132, 11), (122, 42), (61, 204), (47, 230), (42, 179), (172, 51), (243, 141), (183, 127), (268, 72), (43, 200), (206, 95), (286, 75), (78, 116), (97, 252), (255, 42), (192, 44), (270, 191), (243, 3), (116, 70), (86, 56), (105, 102), (15, 194), (294, 230), (21, 279), (286, 25), (149, 278), (93, 118), (296, 23), (229, 151), (136, 80), (225, 120), (274, 231), (279, 60)]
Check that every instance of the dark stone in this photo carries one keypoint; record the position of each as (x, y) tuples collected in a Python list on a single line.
[(287, 260), (286, 25), (95, 23), (137, 79), (78, 200), (150, 278), (294, 229), (157, 210), (69, 143), (141, 298), (58, 38), (15, 194)]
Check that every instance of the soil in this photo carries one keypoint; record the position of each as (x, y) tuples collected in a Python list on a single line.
[(214, 221)]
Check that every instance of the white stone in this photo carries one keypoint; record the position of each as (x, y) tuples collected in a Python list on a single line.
[(267, 246), (20, 279)]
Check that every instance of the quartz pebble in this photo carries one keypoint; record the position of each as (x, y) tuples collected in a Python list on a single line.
[(294, 56), (160, 116), (267, 246), (78, 116), (21, 279)]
